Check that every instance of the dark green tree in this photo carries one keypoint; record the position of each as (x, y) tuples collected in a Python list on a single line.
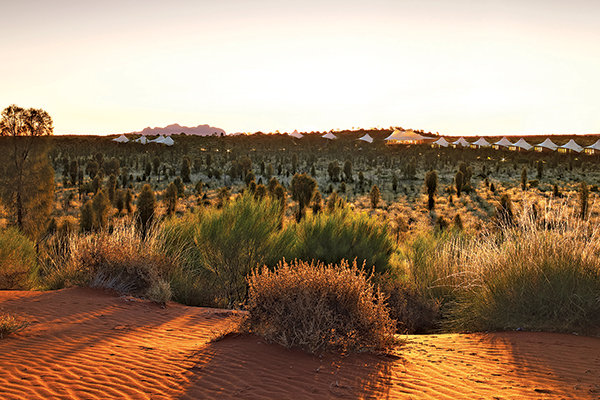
[(145, 208), (431, 183), (375, 196), (302, 187)]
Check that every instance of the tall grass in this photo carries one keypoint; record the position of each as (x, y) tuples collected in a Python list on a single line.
[(120, 260), (540, 273), (17, 260)]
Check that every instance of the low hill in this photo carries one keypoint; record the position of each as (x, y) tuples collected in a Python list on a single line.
[(176, 129)]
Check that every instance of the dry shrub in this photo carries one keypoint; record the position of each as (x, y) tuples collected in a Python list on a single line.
[(415, 311), (10, 324), (319, 307), (120, 260)]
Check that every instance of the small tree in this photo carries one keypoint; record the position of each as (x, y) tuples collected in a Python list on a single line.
[(185, 170), (583, 200), (145, 208), (86, 217), (458, 182), (540, 169), (431, 182), (317, 202), (394, 183), (171, 198), (101, 206), (375, 196), (111, 187), (302, 187), (348, 170), (524, 179)]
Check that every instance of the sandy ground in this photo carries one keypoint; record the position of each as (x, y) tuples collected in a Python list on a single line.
[(90, 344)]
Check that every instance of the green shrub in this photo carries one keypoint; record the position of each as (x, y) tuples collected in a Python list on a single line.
[(222, 246), (319, 307), (344, 234), (17, 260)]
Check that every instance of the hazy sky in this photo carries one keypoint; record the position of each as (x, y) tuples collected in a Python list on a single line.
[(457, 67)]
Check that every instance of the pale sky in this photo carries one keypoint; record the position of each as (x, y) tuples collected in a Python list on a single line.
[(461, 67)]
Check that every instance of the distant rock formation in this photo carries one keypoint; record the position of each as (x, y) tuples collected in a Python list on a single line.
[(176, 129)]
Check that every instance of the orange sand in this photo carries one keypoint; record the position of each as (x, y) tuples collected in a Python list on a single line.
[(90, 344)]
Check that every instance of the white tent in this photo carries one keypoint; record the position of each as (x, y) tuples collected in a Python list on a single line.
[(592, 149), (159, 139), (504, 142), (405, 137), (546, 144), (481, 142), (522, 144), (168, 141), (329, 136), (367, 138), (121, 139), (441, 142), (595, 146), (142, 139), (296, 135), (570, 146), (461, 142)]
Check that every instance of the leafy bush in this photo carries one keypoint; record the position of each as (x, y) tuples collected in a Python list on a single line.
[(344, 234), (319, 307), (220, 247), (17, 260)]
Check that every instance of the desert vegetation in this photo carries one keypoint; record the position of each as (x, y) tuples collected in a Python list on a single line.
[(438, 239)]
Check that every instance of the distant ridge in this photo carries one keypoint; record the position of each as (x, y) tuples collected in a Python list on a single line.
[(176, 129)]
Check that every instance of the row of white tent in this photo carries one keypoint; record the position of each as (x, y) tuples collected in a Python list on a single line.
[(520, 144), (143, 140)]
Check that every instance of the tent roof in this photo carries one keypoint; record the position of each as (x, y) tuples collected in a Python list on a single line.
[(405, 135), (521, 143), (461, 141), (481, 142), (121, 139), (548, 144), (366, 138), (504, 142), (572, 145), (595, 146), (296, 134), (168, 141), (329, 136), (142, 139), (441, 142)]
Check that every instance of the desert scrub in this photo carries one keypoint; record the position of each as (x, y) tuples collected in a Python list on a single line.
[(17, 260), (413, 309), (319, 307), (533, 278), (221, 246), (344, 234), (120, 260), (9, 324)]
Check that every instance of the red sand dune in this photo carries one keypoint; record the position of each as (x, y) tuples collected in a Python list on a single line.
[(90, 344)]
